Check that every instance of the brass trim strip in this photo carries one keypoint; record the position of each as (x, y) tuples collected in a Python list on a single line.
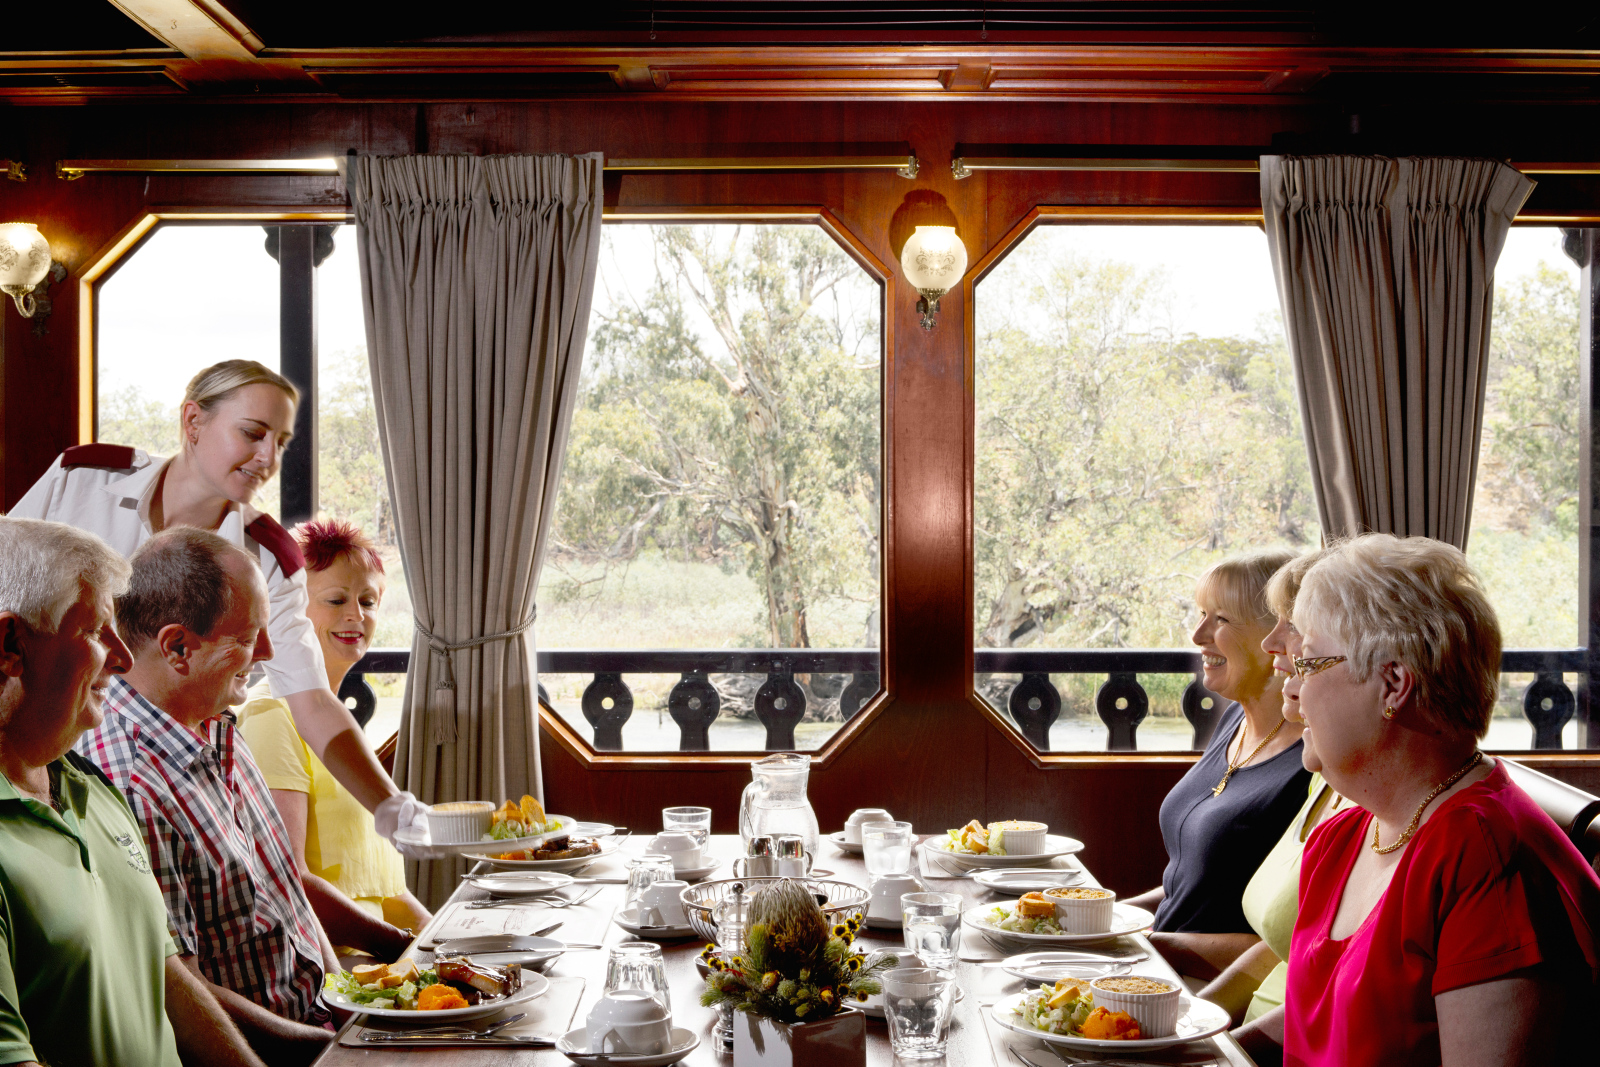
[(71, 169), (966, 166)]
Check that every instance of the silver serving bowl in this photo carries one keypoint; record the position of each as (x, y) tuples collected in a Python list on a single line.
[(842, 900)]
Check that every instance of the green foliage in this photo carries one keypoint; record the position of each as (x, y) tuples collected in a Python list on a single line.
[(1114, 460), (731, 416)]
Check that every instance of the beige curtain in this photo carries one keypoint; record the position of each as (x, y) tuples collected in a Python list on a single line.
[(477, 275), (1385, 271)]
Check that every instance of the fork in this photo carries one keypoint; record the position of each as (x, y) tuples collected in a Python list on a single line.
[(543, 902), (442, 1031)]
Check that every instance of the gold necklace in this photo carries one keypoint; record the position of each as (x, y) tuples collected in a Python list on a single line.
[(1232, 766), (1416, 820)]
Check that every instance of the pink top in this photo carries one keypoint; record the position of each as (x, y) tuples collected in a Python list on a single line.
[(1488, 886)]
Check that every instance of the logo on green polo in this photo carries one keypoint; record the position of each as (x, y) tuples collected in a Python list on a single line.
[(136, 858)]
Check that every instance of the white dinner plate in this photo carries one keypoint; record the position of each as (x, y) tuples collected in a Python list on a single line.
[(534, 985), (606, 849), (593, 829), (420, 846), (1055, 845), (574, 1045), (501, 949), (1125, 919), (1197, 1019), (520, 883), (837, 841), (1016, 881), (628, 919), (1042, 967)]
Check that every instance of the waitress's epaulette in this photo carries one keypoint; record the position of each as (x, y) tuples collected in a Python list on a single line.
[(115, 457), (275, 539)]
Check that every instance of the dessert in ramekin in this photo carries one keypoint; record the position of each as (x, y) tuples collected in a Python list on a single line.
[(1082, 909), (1153, 1002), (1020, 838), (459, 822)]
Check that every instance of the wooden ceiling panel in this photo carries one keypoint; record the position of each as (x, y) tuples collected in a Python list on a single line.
[(781, 81)]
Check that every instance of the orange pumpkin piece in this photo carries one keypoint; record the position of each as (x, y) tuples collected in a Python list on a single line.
[(1103, 1025), (439, 997)]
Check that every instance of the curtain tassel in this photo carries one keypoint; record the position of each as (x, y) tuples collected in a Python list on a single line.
[(444, 725)]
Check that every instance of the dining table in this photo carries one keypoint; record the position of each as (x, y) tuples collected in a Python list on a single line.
[(976, 1038)]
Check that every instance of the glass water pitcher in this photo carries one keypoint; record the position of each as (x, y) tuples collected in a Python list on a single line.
[(775, 801)]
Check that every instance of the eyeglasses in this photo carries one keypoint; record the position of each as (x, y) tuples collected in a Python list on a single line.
[(1305, 668)]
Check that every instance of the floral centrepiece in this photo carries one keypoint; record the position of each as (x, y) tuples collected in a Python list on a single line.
[(794, 967)]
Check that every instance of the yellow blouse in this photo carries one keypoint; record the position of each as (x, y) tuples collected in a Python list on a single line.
[(341, 843), (1272, 899)]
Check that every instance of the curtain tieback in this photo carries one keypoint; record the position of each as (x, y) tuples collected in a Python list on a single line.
[(439, 647)]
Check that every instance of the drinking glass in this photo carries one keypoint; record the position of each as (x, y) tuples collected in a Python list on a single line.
[(917, 1004), (645, 872), (638, 965), (933, 926), (696, 821), (886, 848)]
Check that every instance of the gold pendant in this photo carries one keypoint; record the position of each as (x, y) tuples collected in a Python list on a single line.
[(1217, 792)]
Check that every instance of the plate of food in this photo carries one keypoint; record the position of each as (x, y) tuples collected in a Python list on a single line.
[(1015, 881), (458, 827), (555, 855), (1065, 1014), (1005, 922), (1009, 843), (454, 987)]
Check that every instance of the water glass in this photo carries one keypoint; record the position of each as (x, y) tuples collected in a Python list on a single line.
[(932, 925), (918, 1003), (696, 821), (639, 965), (645, 872), (886, 848)]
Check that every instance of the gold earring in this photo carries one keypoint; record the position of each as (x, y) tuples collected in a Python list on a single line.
[(1388, 713)]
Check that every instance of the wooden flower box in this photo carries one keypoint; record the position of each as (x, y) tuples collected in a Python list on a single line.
[(840, 1041)]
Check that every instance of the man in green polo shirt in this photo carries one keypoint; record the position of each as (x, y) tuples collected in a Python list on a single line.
[(88, 973)]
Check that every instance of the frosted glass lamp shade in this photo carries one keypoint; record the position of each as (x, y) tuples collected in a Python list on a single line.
[(24, 261), (934, 260)]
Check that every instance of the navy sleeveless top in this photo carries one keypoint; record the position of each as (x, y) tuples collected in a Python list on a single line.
[(1215, 843)]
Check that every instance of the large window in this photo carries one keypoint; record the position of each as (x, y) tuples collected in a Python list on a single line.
[(1136, 421), (154, 334), (716, 539)]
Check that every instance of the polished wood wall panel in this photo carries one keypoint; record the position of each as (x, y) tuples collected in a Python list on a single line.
[(925, 751)]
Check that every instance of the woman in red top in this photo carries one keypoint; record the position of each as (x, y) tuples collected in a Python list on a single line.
[(1446, 920)]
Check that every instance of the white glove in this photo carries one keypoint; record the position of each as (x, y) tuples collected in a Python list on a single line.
[(402, 809)]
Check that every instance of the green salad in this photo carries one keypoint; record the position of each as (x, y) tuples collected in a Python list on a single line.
[(510, 829), (402, 996), (1007, 919), (1072, 1007)]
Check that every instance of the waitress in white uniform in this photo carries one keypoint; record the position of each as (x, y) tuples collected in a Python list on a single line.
[(237, 418)]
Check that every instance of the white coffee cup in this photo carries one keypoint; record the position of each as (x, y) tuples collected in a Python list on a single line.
[(629, 1022), (885, 903), (680, 846), (860, 817), (666, 897)]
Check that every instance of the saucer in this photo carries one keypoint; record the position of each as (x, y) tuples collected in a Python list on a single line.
[(574, 1045), (837, 841), (694, 874), (628, 919)]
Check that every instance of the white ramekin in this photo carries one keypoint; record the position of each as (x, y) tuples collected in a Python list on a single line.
[(1022, 838), (459, 822), (1156, 1013), (1080, 915)]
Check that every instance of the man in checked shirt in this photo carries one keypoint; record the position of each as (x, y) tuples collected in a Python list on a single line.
[(195, 620)]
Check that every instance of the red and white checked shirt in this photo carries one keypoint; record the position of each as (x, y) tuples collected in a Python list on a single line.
[(219, 851)]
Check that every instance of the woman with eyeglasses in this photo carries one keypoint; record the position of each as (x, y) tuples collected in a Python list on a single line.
[(1446, 919), (1224, 815)]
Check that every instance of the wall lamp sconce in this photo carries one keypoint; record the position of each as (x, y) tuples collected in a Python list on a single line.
[(934, 260), (24, 262)]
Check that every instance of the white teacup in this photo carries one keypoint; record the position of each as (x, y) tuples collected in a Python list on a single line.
[(667, 898), (885, 903), (629, 1022), (860, 817), (680, 846)]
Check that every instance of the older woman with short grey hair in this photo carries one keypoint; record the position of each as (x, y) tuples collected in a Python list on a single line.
[(1446, 920)]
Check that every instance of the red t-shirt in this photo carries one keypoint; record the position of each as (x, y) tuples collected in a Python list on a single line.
[(1488, 886)]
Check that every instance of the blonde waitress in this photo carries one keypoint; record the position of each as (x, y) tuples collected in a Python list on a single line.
[(236, 420)]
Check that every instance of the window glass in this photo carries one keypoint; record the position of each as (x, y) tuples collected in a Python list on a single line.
[(723, 481), (351, 483), (188, 297), (1525, 521), (1136, 421)]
